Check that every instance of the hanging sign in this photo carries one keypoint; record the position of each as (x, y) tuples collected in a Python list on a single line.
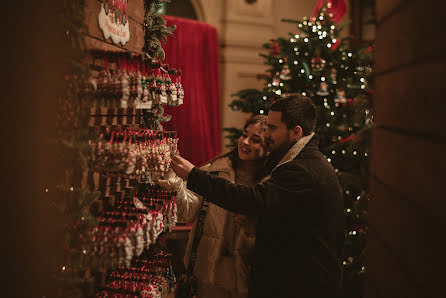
[(113, 20)]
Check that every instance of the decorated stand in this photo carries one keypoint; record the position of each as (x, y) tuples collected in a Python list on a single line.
[(109, 128)]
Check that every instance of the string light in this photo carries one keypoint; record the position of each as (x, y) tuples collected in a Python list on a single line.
[(354, 152), (350, 54), (292, 40), (322, 79), (332, 27), (349, 210), (84, 252), (281, 84), (357, 198), (339, 138), (347, 192), (328, 124), (343, 151), (365, 154), (278, 92), (329, 159), (47, 190), (310, 77), (304, 94), (297, 36), (63, 268), (354, 232), (295, 49), (300, 25), (295, 62), (269, 85), (333, 152), (321, 18), (302, 70), (72, 188), (332, 113), (319, 26), (264, 98), (336, 170), (280, 60), (262, 111), (306, 39), (333, 40), (329, 45), (362, 80)]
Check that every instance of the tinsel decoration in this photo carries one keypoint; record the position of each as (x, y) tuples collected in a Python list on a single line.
[(155, 29)]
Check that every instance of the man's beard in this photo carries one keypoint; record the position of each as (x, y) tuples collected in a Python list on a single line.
[(277, 154)]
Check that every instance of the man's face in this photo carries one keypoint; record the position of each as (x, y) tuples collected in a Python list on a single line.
[(277, 135)]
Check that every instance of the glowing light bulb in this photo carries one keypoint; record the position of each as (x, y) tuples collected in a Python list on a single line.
[(329, 45), (333, 40), (281, 84), (306, 39), (262, 111), (310, 77), (329, 159), (297, 36), (295, 62), (349, 54), (333, 152), (302, 70), (332, 113), (332, 27), (343, 151), (264, 98), (322, 79), (278, 92), (280, 60), (304, 94), (328, 124), (349, 210)]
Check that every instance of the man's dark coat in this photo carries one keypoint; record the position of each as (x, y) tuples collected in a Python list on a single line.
[(300, 234)]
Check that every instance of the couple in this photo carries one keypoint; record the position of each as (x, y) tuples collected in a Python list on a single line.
[(297, 206)]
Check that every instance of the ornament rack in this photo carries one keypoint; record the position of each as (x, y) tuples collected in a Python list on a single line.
[(128, 153)]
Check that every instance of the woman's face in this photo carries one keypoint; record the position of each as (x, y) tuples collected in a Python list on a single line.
[(251, 143)]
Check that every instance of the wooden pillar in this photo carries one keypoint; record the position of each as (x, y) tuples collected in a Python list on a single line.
[(406, 250)]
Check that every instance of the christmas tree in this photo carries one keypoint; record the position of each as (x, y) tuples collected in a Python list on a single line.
[(316, 62)]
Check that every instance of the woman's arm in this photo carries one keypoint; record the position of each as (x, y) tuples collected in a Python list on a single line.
[(188, 202)]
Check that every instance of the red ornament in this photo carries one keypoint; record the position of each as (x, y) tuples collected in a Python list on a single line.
[(274, 49)]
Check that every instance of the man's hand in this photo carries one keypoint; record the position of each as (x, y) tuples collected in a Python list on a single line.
[(181, 166)]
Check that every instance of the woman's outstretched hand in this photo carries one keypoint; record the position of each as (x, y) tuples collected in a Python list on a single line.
[(181, 166)]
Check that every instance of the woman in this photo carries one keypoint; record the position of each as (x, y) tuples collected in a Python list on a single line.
[(222, 259)]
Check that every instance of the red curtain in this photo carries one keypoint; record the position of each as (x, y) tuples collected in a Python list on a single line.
[(338, 9), (194, 50)]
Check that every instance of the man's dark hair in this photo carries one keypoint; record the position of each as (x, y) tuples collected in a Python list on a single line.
[(297, 110)]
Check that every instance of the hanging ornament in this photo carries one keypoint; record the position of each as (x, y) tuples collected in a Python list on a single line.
[(317, 63), (274, 49), (323, 89), (333, 74), (285, 73), (340, 96)]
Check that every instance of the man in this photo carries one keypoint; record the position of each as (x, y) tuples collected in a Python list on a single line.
[(300, 234)]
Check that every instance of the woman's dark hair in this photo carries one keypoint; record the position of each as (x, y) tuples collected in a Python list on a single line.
[(256, 119), (297, 110)]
